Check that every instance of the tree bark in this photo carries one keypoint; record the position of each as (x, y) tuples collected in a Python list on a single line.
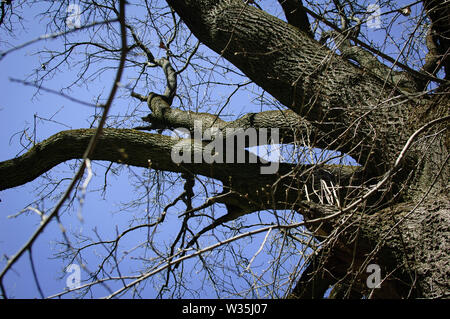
[(335, 95), (367, 115)]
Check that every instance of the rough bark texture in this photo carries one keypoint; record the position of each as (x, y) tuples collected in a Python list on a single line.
[(333, 94), (153, 151), (330, 92)]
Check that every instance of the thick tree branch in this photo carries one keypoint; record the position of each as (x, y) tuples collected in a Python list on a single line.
[(289, 188), (115, 145), (320, 86), (281, 190), (290, 125)]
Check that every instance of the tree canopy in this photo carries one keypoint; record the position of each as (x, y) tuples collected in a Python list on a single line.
[(349, 100)]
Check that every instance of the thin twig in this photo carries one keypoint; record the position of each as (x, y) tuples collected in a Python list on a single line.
[(53, 36), (88, 153)]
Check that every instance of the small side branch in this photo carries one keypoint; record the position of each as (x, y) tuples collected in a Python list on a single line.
[(171, 77), (164, 63)]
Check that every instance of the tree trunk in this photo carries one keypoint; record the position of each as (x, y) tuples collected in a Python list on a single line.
[(407, 233)]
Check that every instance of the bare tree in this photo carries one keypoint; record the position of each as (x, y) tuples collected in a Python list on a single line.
[(311, 73)]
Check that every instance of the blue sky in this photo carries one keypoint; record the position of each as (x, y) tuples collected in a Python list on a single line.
[(25, 113)]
